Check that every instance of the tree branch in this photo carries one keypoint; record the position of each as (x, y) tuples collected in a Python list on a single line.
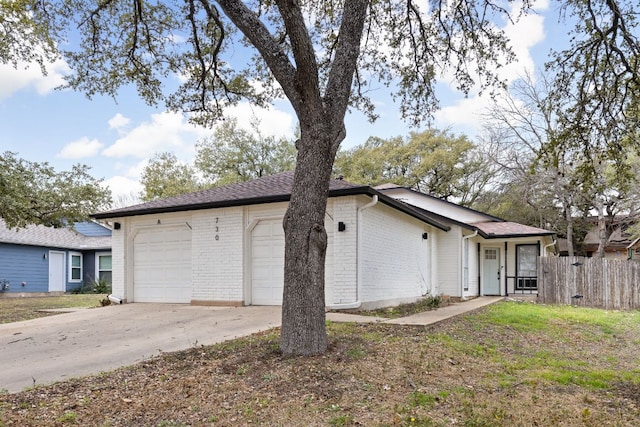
[(343, 69), (275, 57)]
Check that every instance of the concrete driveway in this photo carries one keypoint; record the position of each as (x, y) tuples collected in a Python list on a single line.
[(84, 342)]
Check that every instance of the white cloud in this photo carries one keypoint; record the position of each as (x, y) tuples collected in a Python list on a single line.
[(165, 132), (273, 122), (465, 114), (82, 148), (27, 76), (123, 187), (118, 122)]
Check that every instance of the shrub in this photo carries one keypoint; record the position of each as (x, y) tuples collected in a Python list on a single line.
[(97, 286)]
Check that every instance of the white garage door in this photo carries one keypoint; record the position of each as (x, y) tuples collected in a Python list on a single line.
[(267, 262), (162, 265)]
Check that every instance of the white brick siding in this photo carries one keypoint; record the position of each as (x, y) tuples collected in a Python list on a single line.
[(397, 264), (217, 254), (344, 251), (118, 239), (448, 260), (395, 257)]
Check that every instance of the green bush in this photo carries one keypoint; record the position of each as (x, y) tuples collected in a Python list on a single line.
[(97, 286), (101, 286)]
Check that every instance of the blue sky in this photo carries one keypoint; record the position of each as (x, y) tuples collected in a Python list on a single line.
[(117, 137)]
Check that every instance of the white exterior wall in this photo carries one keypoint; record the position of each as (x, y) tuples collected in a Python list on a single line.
[(396, 264), (394, 257), (449, 253), (473, 267), (345, 250), (118, 239), (217, 254)]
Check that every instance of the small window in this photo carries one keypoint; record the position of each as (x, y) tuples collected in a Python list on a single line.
[(75, 267), (490, 254), (104, 268)]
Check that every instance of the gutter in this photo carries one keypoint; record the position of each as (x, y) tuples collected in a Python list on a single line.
[(357, 303), (465, 256)]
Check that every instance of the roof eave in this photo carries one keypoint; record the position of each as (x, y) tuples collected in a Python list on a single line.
[(364, 190), (512, 236), (221, 204)]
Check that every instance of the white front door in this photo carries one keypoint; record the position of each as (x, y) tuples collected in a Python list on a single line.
[(57, 275), (491, 271)]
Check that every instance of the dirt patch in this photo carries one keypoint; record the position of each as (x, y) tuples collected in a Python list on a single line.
[(464, 371)]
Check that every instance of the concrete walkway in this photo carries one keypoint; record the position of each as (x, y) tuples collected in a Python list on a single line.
[(84, 342), (424, 318)]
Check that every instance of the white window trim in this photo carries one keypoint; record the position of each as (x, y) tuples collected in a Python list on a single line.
[(71, 267), (97, 262)]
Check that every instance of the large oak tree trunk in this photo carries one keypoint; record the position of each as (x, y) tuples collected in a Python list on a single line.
[(303, 306)]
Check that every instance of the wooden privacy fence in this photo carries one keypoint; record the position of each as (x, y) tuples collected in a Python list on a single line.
[(592, 282)]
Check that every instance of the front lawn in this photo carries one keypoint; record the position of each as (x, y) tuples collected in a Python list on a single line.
[(15, 309), (508, 364)]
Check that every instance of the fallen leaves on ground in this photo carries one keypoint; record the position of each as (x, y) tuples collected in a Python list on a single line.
[(463, 371)]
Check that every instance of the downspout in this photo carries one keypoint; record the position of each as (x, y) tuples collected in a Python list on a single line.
[(544, 248), (114, 300), (506, 269), (357, 303), (465, 256)]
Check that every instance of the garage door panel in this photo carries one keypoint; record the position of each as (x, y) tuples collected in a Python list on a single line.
[(267, 262), (162, 265)]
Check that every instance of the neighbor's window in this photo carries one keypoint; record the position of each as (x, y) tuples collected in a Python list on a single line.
[(104, 267), (75, 267), (526, 264)]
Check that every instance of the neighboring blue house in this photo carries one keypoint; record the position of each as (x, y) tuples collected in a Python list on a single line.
[(46, 259)]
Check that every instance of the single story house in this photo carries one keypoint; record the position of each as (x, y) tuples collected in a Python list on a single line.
[(39, 259), (225, 246)]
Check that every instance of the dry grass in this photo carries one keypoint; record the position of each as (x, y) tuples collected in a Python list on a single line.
[(508, 364), (16, 309)]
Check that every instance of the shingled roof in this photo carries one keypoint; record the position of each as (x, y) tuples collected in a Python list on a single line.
[(39, 235), (496, 230), (268, 189)]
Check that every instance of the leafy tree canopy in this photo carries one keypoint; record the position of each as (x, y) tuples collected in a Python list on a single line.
[(230, 155), (234, 154), (34, 193), (596, 81), (165, 176), (434, 162)]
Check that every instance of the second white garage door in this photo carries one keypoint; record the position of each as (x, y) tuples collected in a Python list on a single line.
[(162, 265), (267, 262)]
